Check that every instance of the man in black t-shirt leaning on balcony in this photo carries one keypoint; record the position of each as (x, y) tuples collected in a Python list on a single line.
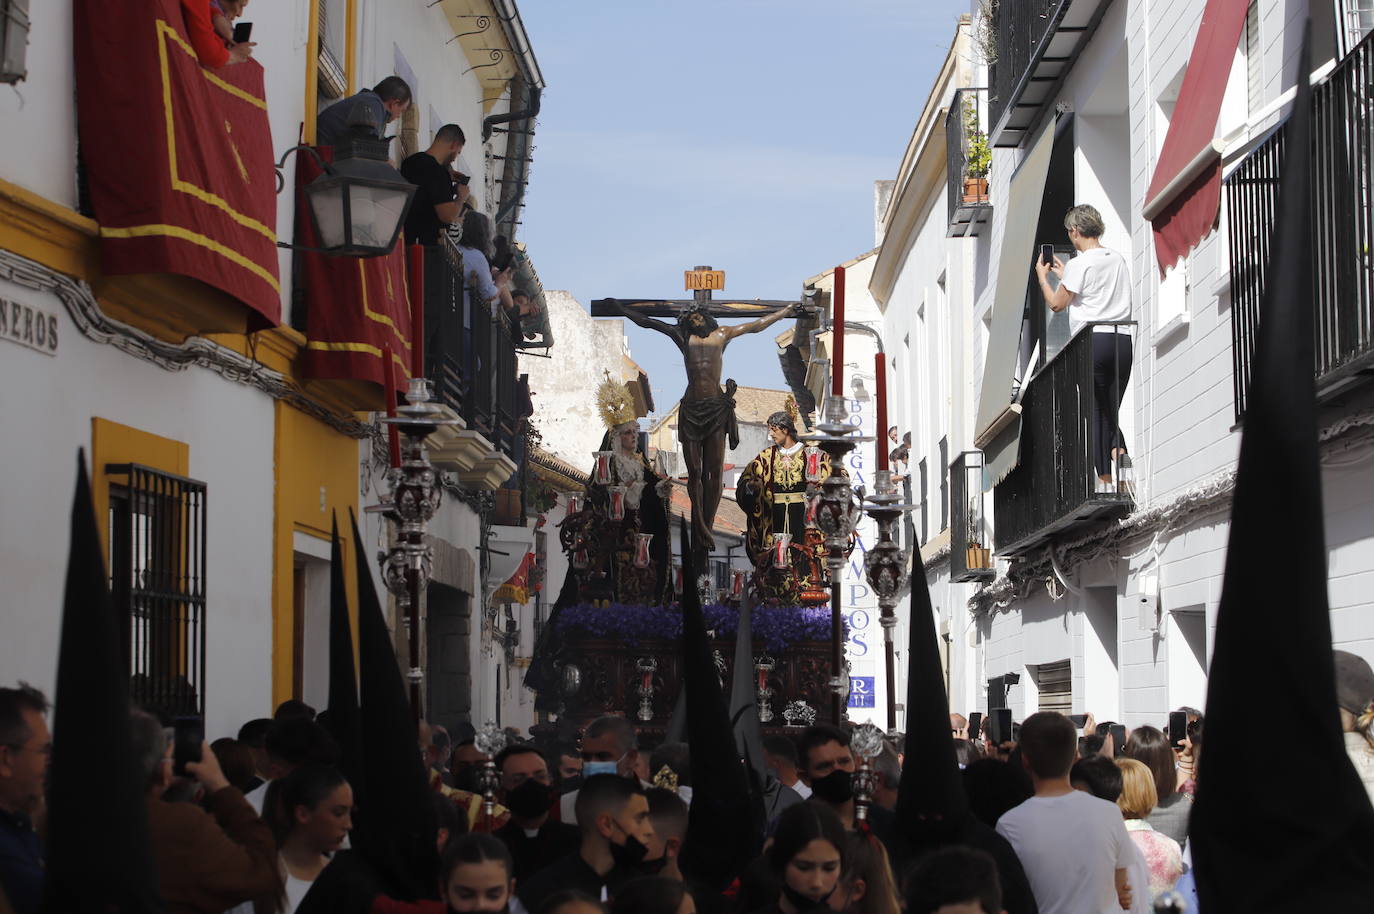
[(440, 191)]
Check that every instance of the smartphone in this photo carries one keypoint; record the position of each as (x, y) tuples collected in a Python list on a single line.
[(975, 725), (189, 740), (1078, 720), (242, 32), (1046, 254), (1000, 726), (462, 179), (1118, 732), (1178, 728)]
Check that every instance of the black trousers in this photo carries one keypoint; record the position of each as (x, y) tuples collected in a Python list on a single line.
[(1112, 356)]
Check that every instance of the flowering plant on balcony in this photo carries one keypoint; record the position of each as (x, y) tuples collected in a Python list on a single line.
[(777, 626)]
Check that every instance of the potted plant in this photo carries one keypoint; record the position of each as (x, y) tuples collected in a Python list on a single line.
[(977, 158)]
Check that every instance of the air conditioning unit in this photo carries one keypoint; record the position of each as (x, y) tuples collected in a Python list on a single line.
[(1147, 603)]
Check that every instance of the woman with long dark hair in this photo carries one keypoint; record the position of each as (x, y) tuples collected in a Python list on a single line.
[(476, 874), (807, 857), (483, 286), (1150, 746)]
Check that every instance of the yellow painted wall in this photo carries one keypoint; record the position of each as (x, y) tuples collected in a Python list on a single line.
[(316, 476), (115, 443)]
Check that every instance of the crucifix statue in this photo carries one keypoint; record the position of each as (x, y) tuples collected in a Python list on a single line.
[(706, 418)]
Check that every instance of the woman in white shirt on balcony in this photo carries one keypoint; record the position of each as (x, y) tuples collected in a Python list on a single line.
[(1095, 285)]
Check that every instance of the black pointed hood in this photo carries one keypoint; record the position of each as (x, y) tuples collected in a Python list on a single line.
[(931, 804), (717, 846), (744, 712), (396, 832), (343, 720), (91, 708), (1257, 848)]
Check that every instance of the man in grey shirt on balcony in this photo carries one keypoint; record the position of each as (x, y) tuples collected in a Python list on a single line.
[(382, 104)]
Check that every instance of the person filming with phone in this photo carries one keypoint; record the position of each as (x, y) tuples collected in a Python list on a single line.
[(1095, 287), (207, 861)]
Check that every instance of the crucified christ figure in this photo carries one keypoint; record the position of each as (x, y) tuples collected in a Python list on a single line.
[(707, 414)]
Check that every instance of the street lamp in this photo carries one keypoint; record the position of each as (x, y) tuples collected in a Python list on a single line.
[(359, 205)]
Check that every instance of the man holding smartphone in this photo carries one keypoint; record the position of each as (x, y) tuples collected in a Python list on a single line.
[(440, 192), (208, 859)]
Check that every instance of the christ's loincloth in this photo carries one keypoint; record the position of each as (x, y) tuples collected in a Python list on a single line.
[(699, 419)]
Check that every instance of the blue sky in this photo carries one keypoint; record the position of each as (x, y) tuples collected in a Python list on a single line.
[(744, 134)]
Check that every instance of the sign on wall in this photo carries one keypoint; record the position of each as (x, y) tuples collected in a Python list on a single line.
[(28, 326)]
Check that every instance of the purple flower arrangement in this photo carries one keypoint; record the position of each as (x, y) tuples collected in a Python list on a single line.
[(776, 626)]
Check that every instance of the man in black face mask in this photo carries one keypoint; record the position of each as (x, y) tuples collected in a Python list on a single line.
[(613, 817), (827, 767), (527, 791)]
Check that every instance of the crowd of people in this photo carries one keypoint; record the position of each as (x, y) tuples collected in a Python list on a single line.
[(1062, 818)]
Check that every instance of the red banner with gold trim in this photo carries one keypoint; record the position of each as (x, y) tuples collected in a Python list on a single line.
[(356, 308), (178, 157)]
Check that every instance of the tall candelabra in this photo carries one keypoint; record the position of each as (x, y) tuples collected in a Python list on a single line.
[(837, 514), (886, 568), (489, 741), (415, 496), (866, 742)]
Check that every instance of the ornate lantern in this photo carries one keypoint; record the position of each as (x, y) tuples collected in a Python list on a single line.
[(601, 471), (642, 541), (763, 666), (646, 666), (782, 542), (885, 566), (813, 463), (617, 502)]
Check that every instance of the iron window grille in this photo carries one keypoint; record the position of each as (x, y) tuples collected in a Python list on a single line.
[(157, 579)]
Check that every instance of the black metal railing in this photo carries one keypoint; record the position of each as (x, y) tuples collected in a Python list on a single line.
[(970, 546), (1066, 445), (1341, 236), (968, 158), (157, 582), (1020, 27), (470, 354)]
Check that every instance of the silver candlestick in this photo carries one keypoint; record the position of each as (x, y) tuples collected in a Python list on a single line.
[(885, 566)]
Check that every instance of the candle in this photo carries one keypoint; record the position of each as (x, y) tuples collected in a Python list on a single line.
[(389, 382), (417, 310), (617, 494), (603, 467), (580, 558), (737, 584), (781, 542), (574, 505), (642, 541), (763, 677), (677, 578), (646, 679), (811, 504), (837, 331), (813, 463), (880, 382)]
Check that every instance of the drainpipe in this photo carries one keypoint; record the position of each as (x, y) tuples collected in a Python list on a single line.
[(530, 111)]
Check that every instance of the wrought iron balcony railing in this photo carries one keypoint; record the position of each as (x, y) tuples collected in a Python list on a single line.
[(1055, 484), (471, 356), (1342, 237), (968, 157)]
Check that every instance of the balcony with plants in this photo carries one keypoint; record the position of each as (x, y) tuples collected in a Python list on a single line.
[(969, 159)]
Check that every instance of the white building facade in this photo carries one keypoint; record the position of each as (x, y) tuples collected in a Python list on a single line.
[(1095, 600)]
